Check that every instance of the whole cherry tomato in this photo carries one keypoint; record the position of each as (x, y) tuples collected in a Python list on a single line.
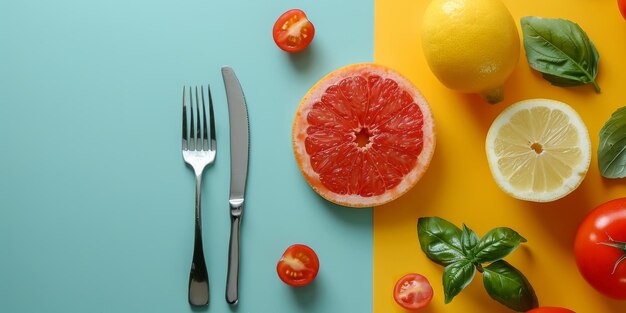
[(622, 7), (293, 31), (600, 248), (549, 309), (413, 292), (298, 266)]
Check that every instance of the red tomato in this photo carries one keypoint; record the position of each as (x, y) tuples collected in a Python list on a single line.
[(549, 309), (413, 292), (298, 266), (622, 7), (600, 248), (293, 31)]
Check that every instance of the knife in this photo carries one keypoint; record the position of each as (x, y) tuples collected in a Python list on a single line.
[(239, 140)]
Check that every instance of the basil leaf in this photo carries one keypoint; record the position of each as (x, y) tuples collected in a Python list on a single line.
[(456, 277), (469, 240), (440, 240), (612, 149), (561, 51), (507, 285), (496, 244)]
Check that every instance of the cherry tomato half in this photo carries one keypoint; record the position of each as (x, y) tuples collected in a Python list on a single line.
[(622, 7), (547, 309), (413, 292), (293, 31), (600, 248), (298, 266)]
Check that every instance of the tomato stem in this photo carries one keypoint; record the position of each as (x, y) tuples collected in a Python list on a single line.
[(479, 267), (618, 245)]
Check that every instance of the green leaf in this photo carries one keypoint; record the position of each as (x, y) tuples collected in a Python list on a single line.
[(440, 240), (469, 240), (507, 285), (456, 277), (496, 244), (561, 51), (612, 149)]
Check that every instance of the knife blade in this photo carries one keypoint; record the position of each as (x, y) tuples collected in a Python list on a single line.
[(239, 151)]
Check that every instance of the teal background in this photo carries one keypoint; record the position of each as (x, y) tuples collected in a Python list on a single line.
[(96, 204)]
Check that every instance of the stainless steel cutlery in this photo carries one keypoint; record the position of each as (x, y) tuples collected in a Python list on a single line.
[(199, 148), (239, 140), (199, 151)]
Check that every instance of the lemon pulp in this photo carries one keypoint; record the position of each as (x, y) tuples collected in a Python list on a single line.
[(538, 150)]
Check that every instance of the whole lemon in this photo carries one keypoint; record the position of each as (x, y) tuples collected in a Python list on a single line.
[(471, 45)]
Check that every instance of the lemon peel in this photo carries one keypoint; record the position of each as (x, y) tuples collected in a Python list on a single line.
[(471, 46)]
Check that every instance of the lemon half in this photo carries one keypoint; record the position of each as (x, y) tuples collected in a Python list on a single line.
[(538, 150)]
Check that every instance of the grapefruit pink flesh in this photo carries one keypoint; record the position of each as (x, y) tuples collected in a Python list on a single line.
[(364, 135)]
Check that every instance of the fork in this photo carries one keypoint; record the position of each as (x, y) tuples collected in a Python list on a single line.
[(198, 152)]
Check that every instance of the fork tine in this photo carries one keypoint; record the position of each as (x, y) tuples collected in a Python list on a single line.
[(192, 133), (205, 137), (184, 121), (213, 145), (198, 126)]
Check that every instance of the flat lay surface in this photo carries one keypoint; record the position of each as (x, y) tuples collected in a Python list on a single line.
[(459, 187), (97, 205)]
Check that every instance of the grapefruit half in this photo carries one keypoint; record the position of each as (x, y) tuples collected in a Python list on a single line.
[(363, 135)]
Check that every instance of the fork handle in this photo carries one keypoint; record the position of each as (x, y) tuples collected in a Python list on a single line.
[(198, 276), (232, 280)]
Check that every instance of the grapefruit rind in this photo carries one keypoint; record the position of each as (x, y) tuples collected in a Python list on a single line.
[(578, 172), (300, 125)]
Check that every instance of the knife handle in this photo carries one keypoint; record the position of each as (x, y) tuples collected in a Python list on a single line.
[(232, 280)]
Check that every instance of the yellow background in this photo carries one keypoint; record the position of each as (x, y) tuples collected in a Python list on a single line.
[(458, 185)]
